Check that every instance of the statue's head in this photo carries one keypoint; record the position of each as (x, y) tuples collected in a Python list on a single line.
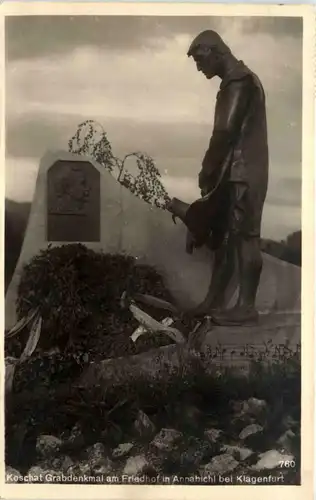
[(209, 51)]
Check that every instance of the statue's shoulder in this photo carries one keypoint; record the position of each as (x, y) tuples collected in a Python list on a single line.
[(237, 86), (249, 76), (240, 77)]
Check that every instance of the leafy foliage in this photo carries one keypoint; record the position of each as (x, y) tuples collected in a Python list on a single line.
[(91, 139), (77, 292)]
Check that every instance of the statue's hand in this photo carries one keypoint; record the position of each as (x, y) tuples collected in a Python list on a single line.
[(204, 183), (170, 205)]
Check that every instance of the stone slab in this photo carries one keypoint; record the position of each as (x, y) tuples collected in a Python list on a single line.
[(276, 335), (73, 202)]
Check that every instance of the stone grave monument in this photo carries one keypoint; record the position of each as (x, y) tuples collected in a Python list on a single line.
[(77, 200)]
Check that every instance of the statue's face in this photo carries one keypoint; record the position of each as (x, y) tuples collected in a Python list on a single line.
[(206, 62)]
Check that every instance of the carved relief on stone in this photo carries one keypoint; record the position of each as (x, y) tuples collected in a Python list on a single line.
[(69, 191)]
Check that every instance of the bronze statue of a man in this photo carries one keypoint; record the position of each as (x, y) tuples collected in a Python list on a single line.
[(234, 174)]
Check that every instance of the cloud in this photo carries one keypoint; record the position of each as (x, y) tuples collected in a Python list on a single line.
[(91, 81), (178, 144), (277, 26), (154, 101), (17, 169), (36, 36), (278, 224), (285, 191), (184, 188), (139, 84), (144, 85)]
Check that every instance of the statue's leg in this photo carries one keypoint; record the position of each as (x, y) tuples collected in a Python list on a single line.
[(246, 223), (223, 271), (250, 266)]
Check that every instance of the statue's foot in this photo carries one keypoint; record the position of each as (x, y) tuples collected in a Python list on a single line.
[(200, 312), (237, 316)]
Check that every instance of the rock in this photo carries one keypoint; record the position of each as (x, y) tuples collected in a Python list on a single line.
[(143, 425), (193, 453), (11, 470), (36, 470), (221, 464), (250, 430), (255, 406), (122, 450), (62, 463), (76, 438), (240, 418), (286, 441), (237, 424), (66, 463), (137, 465), (47, 445), (96, 452), (104, 467), (213, 435), (248, 412), (188, 416), (271, 459), (236, 406), (186, 455), (244, 453), (98, 461), (166, 439), (255, 437), (80, 469), (40, 474), (11, 475), (288, 422), (239, 453)]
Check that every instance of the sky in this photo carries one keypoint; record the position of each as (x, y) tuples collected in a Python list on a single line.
[(133, 76)]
